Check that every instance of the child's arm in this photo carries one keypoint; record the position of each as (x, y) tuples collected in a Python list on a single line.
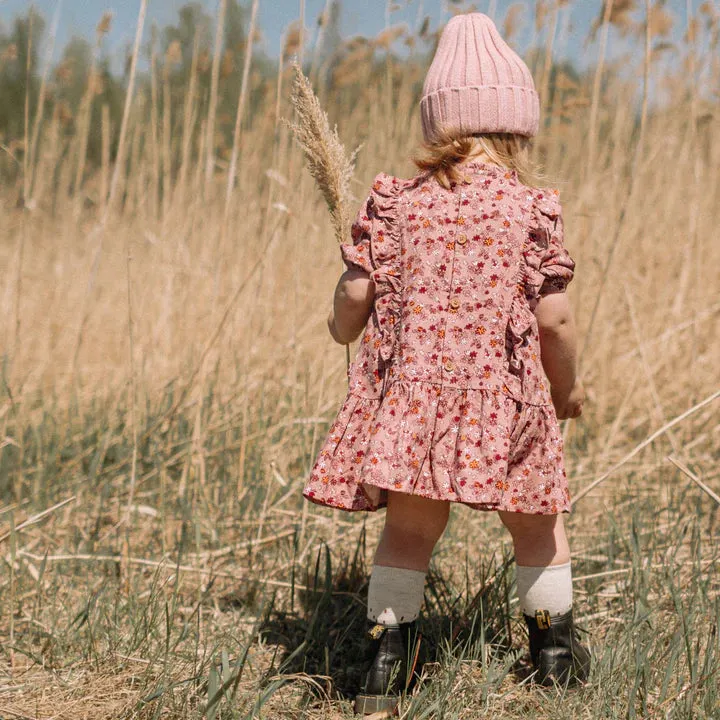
[(558, 347), (352, 304)]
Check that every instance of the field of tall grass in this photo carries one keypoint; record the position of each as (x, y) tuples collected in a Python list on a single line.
[(167, 379)]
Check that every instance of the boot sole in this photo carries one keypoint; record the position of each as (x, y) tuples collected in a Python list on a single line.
[(370, 704)]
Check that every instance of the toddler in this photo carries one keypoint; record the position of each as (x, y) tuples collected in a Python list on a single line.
[(456, 281)]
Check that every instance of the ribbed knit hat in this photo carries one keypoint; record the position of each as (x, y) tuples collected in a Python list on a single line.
[(477, 83)]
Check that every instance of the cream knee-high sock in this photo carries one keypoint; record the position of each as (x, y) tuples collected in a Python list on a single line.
[(395, 595), (545, 588)]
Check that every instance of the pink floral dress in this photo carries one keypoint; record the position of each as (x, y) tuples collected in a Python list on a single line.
[(447, 396)]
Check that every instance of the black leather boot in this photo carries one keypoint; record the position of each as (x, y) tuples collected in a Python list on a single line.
[(557, 655), (392, 658)]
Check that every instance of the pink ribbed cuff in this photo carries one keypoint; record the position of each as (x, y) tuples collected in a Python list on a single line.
[(481, 109)]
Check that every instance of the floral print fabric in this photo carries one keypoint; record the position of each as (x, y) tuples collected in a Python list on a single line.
[(447, 396)]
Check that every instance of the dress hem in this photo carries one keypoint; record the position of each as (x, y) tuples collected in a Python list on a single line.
[(480, 507)]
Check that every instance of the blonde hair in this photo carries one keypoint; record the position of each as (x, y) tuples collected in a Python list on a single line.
[(443, 158)]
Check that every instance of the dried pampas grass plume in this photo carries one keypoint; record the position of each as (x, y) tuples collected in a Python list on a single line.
[(661, 22), (325, 156), (105, 24), (617, 13)]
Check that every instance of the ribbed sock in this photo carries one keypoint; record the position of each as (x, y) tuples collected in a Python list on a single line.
[(545, 588), (395, 595)]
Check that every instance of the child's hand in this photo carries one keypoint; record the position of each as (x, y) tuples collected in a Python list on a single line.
[(569, 405)]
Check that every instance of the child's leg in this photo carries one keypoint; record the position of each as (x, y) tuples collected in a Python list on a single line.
[(539, 540), (542, 554), (544, 583), (413, 525)]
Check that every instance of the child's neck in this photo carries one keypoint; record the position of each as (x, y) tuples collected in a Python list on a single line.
[(480, 155)]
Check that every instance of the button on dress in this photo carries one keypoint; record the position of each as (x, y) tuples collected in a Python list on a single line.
[(447, 396)]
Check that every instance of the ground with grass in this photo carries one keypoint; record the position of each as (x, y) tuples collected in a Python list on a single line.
[(167, 380)]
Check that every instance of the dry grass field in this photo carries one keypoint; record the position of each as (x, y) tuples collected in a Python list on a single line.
[(167, 378)]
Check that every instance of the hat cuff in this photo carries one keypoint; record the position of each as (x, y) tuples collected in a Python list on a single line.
[(481, 109)]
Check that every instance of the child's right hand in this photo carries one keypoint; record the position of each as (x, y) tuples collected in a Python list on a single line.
[(569, 405)]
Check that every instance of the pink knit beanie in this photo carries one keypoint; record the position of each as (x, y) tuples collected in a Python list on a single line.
[(477, 83)]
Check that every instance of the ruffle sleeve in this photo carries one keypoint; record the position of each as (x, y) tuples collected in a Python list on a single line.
[(549, 265), (375, 248)]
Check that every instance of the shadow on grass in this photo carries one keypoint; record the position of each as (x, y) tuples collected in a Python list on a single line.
[(321, 633)]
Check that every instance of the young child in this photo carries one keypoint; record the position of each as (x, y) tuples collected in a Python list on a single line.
[(457, 279)]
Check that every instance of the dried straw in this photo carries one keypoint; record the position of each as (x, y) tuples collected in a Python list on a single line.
[(325, 155), (648, 441)]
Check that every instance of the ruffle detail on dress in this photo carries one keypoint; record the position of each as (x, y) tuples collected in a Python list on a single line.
[(462, 445), (376, 249), (386, 254), (336, 478), (549, 267), (519, 328)]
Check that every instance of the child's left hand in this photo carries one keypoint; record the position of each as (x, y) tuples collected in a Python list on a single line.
[(570, 407)]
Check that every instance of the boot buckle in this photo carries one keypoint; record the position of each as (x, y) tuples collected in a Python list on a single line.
[(542, 618), (376, 631)]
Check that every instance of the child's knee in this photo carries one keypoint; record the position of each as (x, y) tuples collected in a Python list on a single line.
[(522, 524), (428, 528), (417, 517)]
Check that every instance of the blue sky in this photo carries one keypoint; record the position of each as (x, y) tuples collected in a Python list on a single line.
[(366, 17)]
